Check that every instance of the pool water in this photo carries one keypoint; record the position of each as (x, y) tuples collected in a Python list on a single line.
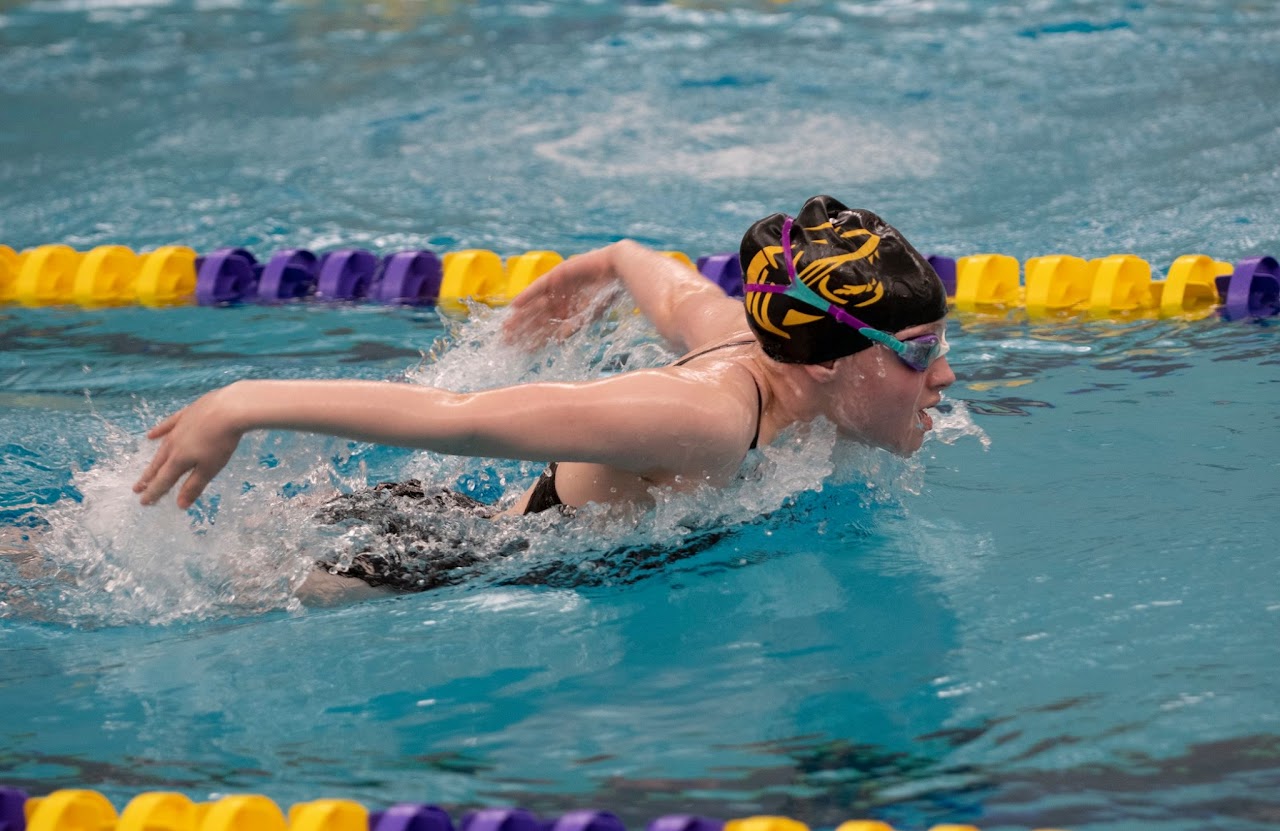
[(1062, 613)]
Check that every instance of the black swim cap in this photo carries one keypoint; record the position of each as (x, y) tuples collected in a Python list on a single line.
[(853, 260)]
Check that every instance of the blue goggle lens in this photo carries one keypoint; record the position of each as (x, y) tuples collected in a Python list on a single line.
[(919, 352)]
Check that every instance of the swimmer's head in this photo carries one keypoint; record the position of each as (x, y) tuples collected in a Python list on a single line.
[(847, 263)]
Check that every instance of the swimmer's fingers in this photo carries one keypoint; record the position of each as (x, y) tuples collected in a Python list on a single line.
[(567, 329), (195, 484), (535, 334), (532, 294), (522, 328), (166, 476), (214, 453), (149, 473), (564, 288), (536, 323), (163, 428), (560, 302), (198, 477), (529, 308), (162, 452), (197, 440)]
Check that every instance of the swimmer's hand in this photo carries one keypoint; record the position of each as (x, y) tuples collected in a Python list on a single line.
[(688, 310), (196, 442), (562, 301)]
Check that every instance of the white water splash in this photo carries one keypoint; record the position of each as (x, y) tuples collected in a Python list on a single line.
[(108, 560), (475, 355), (957, 424)]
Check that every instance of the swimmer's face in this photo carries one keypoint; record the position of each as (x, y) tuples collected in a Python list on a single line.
[(879, 400)]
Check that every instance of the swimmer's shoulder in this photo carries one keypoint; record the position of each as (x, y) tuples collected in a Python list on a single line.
[(729, 389), (730, 345)]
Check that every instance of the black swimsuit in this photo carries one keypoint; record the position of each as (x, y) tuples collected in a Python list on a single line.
[(413, 538), (543, 497)]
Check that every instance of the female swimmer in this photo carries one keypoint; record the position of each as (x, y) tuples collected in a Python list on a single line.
[(842, 319)]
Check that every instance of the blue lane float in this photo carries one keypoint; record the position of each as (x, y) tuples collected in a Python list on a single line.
[(346, 274)]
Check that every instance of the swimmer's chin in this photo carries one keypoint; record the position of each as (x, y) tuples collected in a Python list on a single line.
[(905, 448), (912, 448)]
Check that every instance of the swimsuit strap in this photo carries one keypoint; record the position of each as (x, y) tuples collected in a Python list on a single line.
[(711, 349), (755, 441)]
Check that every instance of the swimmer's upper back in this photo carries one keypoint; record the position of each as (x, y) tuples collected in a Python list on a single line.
[(577, 483)]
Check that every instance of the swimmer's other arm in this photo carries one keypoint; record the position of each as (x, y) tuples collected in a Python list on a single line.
[(686, 308), (648, 422)]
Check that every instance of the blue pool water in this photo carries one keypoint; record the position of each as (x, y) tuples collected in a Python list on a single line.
[(1064, 612)]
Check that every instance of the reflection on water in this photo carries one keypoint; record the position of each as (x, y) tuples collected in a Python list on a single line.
[(1011, 406)]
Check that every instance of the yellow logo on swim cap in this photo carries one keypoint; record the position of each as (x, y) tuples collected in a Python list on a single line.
[(764, 261), (816, 275)]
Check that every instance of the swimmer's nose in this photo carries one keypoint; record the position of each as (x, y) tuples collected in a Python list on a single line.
[(940, 375)]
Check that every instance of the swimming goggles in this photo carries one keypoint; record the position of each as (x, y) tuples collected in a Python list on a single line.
[(917, 353)]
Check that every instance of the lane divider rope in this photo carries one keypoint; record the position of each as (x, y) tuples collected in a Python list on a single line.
[(1122, 285), (89, 810)]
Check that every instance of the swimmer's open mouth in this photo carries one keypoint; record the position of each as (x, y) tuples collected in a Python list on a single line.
[(925, 421)]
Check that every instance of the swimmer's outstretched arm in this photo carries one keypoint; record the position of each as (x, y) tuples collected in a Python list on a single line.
[(650, 422), (687, 309)]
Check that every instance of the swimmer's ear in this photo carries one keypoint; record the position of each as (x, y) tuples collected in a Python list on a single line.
[(822, 373)]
